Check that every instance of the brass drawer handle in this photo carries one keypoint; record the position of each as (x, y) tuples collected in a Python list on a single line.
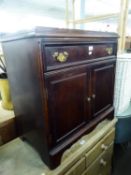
[(61, 57), (103, 162), (109, 50), (104, 147)]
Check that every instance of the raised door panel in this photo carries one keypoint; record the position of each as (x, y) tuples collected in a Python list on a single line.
[(102, 78), (68, 108)]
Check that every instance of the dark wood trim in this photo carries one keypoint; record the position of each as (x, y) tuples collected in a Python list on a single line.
[(57, 32)]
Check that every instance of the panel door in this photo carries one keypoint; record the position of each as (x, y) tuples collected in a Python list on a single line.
[(102, 82), (67, 106)]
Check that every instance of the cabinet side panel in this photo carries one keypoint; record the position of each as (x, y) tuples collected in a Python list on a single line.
[(22, 59)]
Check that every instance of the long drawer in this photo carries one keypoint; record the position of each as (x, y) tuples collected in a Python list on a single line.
[(57, 56), (102, 165), (100, 147)]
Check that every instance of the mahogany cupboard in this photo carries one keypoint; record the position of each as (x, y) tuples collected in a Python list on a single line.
[(62, 84)]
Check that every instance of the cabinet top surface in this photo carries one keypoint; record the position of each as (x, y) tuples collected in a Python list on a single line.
[(57, 32)]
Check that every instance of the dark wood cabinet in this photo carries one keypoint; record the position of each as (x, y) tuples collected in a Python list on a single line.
[(62, 84)]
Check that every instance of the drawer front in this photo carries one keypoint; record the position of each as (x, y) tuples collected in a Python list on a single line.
[(100, 147), (78, 168), (61, 56), (102, 165)]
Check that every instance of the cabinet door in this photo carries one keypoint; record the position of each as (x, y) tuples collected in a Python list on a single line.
[(102, 82), (67, 105)]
